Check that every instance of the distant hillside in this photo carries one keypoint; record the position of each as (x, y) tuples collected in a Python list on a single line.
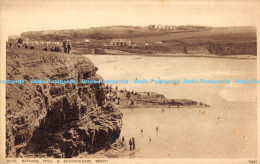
[(107, 32), (221, 34), (221, 41)]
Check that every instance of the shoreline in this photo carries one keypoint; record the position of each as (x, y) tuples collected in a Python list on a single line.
[(162, 106), (117, 150), (242, 57)]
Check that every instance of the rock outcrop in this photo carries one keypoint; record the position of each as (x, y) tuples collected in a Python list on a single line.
[(56, 120), (127, 99)]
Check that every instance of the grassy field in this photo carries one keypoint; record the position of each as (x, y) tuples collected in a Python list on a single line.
[(224, 34)]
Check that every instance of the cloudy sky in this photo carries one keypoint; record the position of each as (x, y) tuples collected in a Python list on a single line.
[(26, 15)]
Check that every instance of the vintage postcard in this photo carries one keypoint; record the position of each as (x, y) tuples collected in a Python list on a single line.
[(115, 81)]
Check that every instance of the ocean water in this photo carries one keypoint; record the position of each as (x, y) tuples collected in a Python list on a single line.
[(225, 130)]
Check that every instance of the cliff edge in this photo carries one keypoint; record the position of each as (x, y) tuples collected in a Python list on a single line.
[(56, 120)]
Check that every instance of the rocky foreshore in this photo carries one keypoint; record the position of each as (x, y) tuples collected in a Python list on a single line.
[(126, 99)]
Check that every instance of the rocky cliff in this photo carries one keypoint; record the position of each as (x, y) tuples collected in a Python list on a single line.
[(56, 120), (247, 48), (177, 47)]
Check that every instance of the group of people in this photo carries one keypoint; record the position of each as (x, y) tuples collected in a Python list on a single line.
[(53, 49), (150, 139), (67, 46), (19, 45), (157, 129), (132, 140), (131, 143)]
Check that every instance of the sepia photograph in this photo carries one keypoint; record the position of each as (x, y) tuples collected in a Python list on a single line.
[(157, 81)]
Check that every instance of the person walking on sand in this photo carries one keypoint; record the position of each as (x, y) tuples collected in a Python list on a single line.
[(157, 128), (142, 131), (130, 144), (150, 139), (133, 141), (123, 141)]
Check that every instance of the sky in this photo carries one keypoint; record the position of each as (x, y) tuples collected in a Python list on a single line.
[(28, 15)]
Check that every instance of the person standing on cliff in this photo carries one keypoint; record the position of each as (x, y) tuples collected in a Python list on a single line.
[(69, 46), (130, 144), (65, 46)]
